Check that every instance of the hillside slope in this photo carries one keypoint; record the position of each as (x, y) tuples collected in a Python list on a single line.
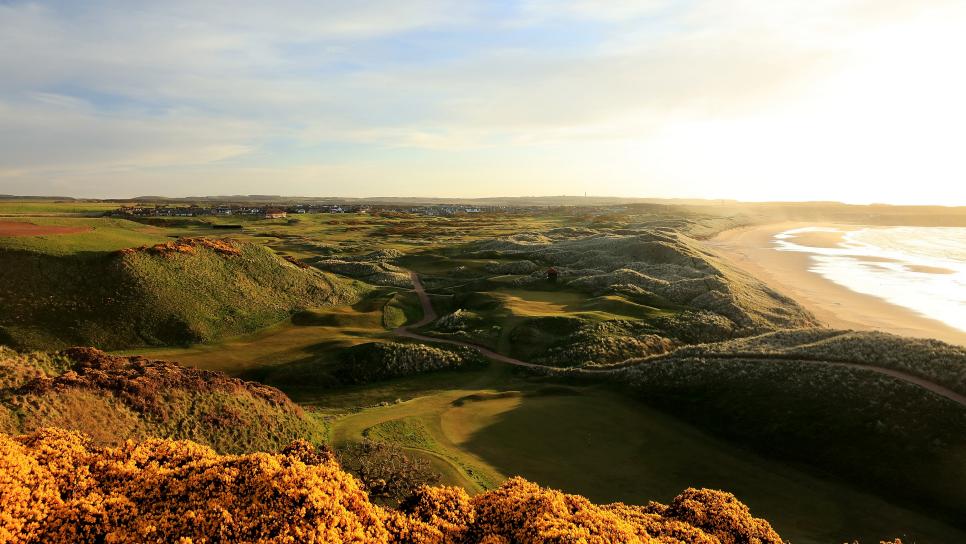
[(649, 265), (57, 487), (793, 393), (113, 399), (189, 291)]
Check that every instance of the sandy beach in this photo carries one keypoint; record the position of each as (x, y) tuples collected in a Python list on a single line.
[(752, 249)]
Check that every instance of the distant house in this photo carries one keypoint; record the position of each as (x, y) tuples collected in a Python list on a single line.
[(275, 214)]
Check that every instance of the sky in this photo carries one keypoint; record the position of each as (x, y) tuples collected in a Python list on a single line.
[(850, 100)]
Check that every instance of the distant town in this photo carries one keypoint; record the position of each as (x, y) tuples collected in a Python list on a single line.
[(276, 211)]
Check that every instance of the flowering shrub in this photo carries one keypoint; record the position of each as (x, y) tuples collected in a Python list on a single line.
[(55, 487), (82, 388)]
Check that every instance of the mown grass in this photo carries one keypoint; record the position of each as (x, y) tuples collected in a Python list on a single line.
[(600, 443), (316, 334), (105, 235)]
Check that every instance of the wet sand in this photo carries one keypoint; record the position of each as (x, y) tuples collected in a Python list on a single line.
[(753, 250)]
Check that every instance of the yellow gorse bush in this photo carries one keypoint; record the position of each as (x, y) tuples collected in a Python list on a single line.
[(56, 486)]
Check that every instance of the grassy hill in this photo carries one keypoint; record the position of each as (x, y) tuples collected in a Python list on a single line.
[(113, 399), (61, 488), (792, 395), (190, 291), (621, 292), (651, 266)]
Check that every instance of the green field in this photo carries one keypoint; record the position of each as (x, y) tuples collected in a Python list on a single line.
[(310, 335), (475, 426), (52, 207), (105, 234), (598, 443)]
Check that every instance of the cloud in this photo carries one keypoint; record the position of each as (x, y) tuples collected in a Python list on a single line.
[(118, 94)]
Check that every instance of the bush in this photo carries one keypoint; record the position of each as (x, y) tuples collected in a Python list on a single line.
[(385, 470), (56, 487)]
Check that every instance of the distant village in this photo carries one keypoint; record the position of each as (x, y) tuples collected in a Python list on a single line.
[(276, 211)]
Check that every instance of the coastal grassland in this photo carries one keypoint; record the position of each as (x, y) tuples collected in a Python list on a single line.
[(179, 293), (495, 423), (308, 236)]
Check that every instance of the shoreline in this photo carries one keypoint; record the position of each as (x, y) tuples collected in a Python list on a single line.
[(751, 249)]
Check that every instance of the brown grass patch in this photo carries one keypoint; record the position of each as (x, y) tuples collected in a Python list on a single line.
[(187, 245), (20, 228)]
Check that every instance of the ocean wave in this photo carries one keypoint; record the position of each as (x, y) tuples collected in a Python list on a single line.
[(919, 268)]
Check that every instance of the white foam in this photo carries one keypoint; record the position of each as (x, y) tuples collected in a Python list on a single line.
[(893, 263)]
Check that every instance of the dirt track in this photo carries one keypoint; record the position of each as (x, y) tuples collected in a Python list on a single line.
[(429, 314), (22, 228)]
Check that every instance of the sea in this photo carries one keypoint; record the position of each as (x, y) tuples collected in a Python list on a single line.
[(919, 268)]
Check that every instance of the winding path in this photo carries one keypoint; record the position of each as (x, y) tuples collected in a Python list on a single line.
[(429, 314)]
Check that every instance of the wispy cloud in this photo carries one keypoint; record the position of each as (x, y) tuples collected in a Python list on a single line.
[(531, 96)]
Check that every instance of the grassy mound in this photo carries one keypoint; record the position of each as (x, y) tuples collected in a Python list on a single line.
[(189, 291), (371, 362), (114, 399), (585, 342), (783, 394), (375, 268), (58, 487), (649, 266)]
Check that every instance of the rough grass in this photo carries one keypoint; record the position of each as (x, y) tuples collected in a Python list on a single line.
[(114, 399), (656, 264), (145, 297), (882, 433), (609, 447), (104, 235)]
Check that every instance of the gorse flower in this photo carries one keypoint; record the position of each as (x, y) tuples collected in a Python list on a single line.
[(55, 486)]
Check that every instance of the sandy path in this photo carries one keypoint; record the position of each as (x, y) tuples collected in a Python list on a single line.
[(752, 250), (429, 314)]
